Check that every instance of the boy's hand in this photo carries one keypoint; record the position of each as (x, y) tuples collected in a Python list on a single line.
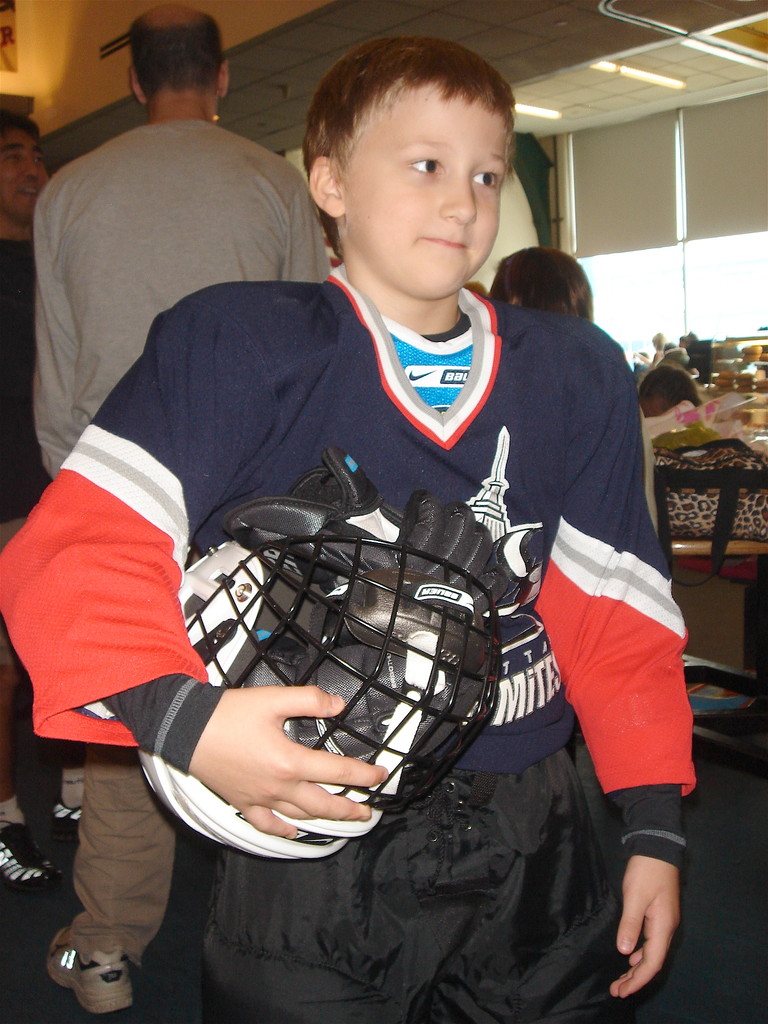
[(652, 911), (245, 757)]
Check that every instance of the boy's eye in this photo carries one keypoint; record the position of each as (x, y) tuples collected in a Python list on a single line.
[(487, 178), (426, 166)]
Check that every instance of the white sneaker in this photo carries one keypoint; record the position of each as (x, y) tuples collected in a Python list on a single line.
[(101, 986)]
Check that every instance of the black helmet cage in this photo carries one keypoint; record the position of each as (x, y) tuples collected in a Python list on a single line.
[(322, 610)]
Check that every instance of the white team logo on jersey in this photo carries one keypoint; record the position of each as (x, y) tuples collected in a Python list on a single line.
[(516, 546), (529, 673), (488, 505)]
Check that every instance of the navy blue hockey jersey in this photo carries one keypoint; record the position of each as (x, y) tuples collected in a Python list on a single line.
[(240, 389)]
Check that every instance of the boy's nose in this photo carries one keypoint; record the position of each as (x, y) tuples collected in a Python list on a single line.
[(459, 202)]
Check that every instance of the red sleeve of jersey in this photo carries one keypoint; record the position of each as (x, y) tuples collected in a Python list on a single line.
[(622, 671), (90, 597)]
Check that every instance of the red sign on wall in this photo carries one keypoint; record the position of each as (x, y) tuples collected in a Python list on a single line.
[(8, 58)]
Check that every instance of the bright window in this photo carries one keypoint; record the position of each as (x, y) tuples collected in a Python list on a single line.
[(726, 285), (637, 295), (715, 287)]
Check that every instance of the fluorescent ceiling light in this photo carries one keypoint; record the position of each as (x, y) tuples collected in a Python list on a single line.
[(726, 52), (649, 76), (524, 108), (643, 76)]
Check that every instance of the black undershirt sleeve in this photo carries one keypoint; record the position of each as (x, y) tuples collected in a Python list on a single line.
[(167, 715), (652, 822)]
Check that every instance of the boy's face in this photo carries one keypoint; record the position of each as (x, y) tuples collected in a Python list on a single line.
[(417, 204)]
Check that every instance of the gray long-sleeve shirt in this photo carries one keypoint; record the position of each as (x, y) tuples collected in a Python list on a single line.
[(125, 231)]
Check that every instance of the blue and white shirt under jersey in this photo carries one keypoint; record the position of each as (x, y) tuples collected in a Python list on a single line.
[(438, 365)]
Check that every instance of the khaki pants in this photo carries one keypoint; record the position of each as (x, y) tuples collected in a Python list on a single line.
[(124, 863)]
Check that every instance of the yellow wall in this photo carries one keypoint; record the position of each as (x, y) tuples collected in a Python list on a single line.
[(58, 48)]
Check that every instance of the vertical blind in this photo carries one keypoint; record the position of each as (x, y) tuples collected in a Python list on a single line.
[(625, 180), (624, 186), (726, 167)]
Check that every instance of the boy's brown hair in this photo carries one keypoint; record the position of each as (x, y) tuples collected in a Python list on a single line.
[(374, 74)]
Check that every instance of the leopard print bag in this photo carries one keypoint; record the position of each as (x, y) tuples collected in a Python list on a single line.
[(716, 491)]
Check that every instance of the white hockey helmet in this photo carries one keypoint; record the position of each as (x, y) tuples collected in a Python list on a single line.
[(394, 631)]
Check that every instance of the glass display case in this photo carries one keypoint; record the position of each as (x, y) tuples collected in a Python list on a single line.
[(740, 363)]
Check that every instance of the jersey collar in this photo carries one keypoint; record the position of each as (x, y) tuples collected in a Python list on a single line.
[(446, 428)]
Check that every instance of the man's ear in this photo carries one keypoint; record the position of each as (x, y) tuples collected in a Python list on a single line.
[(136, 89), (222, 80), (325, 186)]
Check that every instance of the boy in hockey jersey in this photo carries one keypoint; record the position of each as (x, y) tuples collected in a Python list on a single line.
[(486, 902)]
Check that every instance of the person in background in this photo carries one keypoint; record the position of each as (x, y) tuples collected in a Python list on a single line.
[(22, 479), (551, 280), (544, 278), (674, 356), (660, 346), (665, 387), (643, 362), (121, 234)]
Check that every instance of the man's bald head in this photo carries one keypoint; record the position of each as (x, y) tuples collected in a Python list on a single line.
[(168, 15), (177, 48)]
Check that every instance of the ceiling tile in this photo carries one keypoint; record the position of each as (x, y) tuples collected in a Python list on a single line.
[(442, 25), (495, 45), (368, 16)]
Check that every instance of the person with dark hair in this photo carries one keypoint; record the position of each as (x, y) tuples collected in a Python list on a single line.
[(486, 899), (665, 387), (121, 234), (541, 277), (22, 480), (551, 280)]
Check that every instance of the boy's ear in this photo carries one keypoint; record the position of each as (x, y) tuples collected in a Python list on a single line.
[(325, 186)]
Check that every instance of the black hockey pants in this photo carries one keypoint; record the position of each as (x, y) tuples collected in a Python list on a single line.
[(485, 903)]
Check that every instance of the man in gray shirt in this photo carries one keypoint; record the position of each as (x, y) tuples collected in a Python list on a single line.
[(120, 235), (154, 214)]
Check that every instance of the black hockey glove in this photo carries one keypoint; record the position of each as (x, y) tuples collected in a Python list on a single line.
[(451, 533), (336, 497), (339, 499)]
